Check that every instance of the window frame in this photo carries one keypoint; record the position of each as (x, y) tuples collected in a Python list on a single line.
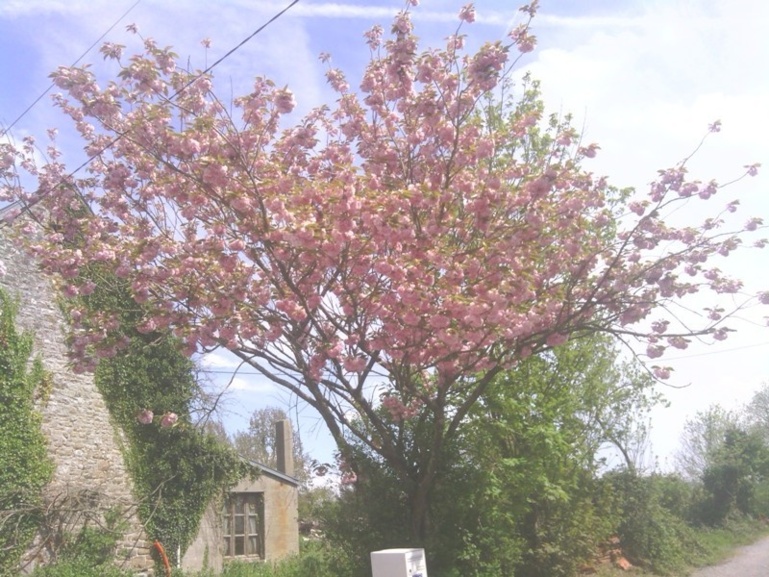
[(243, 526)]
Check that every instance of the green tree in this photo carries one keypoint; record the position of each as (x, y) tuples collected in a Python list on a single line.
[(24, 465), (257, 443), (730, 478), (536, 438), (702, 440), (518, 490), (757, 412)]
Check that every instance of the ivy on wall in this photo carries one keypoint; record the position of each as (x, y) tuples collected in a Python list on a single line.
[(24, 465), (178, 469)]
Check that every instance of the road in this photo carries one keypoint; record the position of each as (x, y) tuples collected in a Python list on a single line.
[(749, 561)]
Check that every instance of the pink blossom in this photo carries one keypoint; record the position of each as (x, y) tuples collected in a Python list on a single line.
[(348, 478), (527, 45), (206, 43), (753, 168), (556, 339), (662, 373), (678, 342), (721, 334), (655, 351), (763, 298), (708, 191), (714, 314), (374, 37), (145, 416), (589, 151), (637, 207), (110, 50), (467, 13), (522, 39), (402, 23), (168, 420), (354, 364), (337, 80), (754, 223), (715, 127), (456, 42), (284, 101)]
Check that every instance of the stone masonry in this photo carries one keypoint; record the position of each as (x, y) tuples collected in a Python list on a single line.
[(82, 441)]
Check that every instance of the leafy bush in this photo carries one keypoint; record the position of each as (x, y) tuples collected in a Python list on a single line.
[(88, 553), (652, 535), (316, 560), (80, 568)]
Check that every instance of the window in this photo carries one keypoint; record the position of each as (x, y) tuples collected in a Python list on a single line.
[(243, 524)]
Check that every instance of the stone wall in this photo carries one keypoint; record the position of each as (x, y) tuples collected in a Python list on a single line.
[(82, 441)]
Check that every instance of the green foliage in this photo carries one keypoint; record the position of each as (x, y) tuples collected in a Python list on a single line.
[(532, 442), (727, 455), (88, 553), (702, 440), (517, 489), (178, 470), (730, 479), (368, 517), (317, 559), (258, 443), (80, 568), (651, 534), (24, 465)]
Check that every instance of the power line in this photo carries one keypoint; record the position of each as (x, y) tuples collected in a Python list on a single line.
[(119, 137), (717, 352), (83, 55), (257, 31), (115, 140)]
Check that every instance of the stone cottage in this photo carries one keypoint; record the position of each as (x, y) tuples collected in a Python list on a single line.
[(258, 521)]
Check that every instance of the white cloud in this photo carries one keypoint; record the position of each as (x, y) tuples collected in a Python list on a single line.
[(220, 359), (15, 8), (646, 83), (251, 384)]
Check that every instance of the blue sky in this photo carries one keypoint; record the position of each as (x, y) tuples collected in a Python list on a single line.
[(644, 78)]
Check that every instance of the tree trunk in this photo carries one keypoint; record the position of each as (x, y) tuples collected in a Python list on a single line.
[(420, 513)]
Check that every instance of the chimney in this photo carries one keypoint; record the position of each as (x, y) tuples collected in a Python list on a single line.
[(284, 447)]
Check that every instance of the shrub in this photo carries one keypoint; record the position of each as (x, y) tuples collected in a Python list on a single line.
[(651, 534), (88, 553)]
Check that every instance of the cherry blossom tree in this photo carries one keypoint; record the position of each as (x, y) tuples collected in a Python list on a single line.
[(385, 257)]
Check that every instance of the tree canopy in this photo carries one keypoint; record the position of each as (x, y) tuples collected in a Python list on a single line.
[(400, 247)]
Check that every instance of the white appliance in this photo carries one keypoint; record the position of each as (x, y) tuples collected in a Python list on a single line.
[(399, 563)]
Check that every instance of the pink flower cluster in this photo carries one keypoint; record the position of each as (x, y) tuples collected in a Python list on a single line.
[(167, 420), (399, 232), (397, 410)]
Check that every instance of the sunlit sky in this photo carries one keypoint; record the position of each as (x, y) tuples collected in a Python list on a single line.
[(643, 79)]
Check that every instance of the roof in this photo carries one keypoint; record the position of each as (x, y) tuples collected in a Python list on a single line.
[(270, 472)]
